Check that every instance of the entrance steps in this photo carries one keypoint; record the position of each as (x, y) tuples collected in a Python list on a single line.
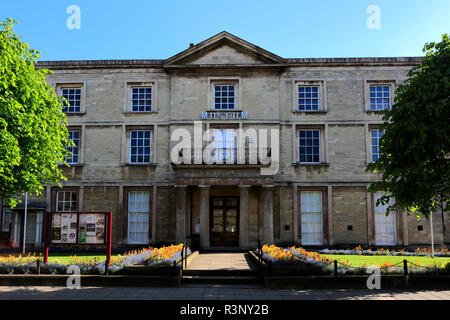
[(226, 268), (212, 277)]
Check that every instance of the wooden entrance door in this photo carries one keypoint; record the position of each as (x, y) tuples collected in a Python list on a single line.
[(224, 220)]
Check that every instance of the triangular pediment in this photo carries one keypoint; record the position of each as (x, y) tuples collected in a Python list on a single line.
[(225, 49)]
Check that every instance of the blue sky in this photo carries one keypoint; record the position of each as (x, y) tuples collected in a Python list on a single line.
[(138, 29)]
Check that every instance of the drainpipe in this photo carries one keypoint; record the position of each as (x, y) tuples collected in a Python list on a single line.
[(25, 222), (432, 235)]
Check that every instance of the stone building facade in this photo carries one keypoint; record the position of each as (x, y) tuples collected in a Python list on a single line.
[(325, 117)]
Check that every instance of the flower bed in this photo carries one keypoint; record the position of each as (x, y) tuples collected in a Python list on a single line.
[(87, 265), (165, 255), (386, 252), (293, 255)]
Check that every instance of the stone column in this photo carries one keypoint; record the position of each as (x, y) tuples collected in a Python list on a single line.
[(181, 213), (268, 213), (204, 216), (243, 216)]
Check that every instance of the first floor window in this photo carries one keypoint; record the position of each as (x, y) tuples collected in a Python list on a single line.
[(376, 136), (141, 99), (385, 226), (66, 201), (309, 146), (73, 97), (74, 136), (308, 98), (311, 217), (380, 97), (138, 216), (224, 145), (140, 141)]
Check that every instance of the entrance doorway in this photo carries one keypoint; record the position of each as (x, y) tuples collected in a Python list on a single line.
[(224, 219)]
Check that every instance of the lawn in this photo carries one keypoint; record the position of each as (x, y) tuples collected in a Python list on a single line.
[(358, 260), (67, 258)]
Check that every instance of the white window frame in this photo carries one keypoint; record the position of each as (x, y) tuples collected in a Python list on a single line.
[(128, 87), (130, 146), (320, 145), (321, 83), (380, 215), (142, 215), (74, 85), (64, 201), (229, 81), (78, 154), (376, 82), (316, 214), (378, 141)]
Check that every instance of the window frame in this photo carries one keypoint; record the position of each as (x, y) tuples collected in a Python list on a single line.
[(73, 85), (371, 142), (127, 145), (325, 217), (323, 144), (128, 87), (374, 228), (321, 83), (67, 191), (234, 81), (147, 214), (126, 191), (79, 146), (377, 82)]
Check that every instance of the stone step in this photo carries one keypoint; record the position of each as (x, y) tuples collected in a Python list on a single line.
[(221, 273), (228, 280)]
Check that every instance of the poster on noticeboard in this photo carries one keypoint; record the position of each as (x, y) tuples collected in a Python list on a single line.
[(91, 228), (64, 228)]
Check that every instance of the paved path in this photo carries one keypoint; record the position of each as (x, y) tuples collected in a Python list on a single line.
[(214, 293), (220, 261)]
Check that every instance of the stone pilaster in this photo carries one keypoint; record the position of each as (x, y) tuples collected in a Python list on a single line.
[(268, 213), (204, 216), (243, 216), (181, 213)]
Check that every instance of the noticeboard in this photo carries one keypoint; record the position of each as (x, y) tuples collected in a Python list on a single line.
[(78, 228)]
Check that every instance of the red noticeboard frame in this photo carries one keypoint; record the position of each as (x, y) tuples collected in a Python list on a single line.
[(107, 238)]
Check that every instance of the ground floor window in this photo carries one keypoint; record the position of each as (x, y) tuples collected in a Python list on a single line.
[(138, 216), (385, 226), (311, 217), (6, 220), (66, 201)]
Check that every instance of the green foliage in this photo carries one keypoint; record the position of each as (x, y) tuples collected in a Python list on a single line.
[(415, 150), (33, 129)]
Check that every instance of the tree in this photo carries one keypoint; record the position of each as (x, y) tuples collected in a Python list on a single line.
[(33, 128), (415, 149)]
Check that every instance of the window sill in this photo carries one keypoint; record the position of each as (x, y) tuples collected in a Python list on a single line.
[(369, 111), (139, 112), (71, 165), (224, 110), (75, 113), (310, 111), (321, 164), (138, 164)]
